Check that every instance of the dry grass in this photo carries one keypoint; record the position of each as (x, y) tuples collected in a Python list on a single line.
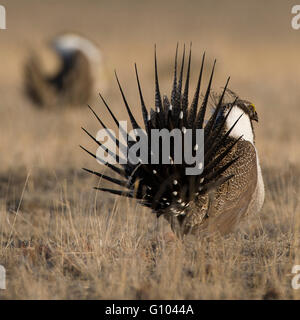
[(60, 239)]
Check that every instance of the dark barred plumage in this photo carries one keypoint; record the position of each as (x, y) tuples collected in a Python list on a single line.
[(165, 188), (72, 85)]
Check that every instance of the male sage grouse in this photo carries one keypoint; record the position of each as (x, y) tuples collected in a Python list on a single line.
[(73, 84), (230, 186)]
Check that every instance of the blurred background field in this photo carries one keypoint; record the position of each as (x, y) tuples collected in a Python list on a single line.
[(59, 238)]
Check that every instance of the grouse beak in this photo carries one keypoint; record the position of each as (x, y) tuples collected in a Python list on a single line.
[(255, 117)]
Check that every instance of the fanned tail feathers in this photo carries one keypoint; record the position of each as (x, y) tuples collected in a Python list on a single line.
[(165, 187)]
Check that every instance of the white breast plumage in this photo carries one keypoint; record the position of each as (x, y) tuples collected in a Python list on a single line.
[(243, 126)]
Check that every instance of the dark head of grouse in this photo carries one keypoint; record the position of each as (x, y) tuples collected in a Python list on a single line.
[(247, 106)]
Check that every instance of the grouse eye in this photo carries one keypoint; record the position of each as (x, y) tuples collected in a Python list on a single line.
[(252, 107)]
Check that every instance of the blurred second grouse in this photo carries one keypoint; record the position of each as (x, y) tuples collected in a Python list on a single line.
[(79, 76)]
